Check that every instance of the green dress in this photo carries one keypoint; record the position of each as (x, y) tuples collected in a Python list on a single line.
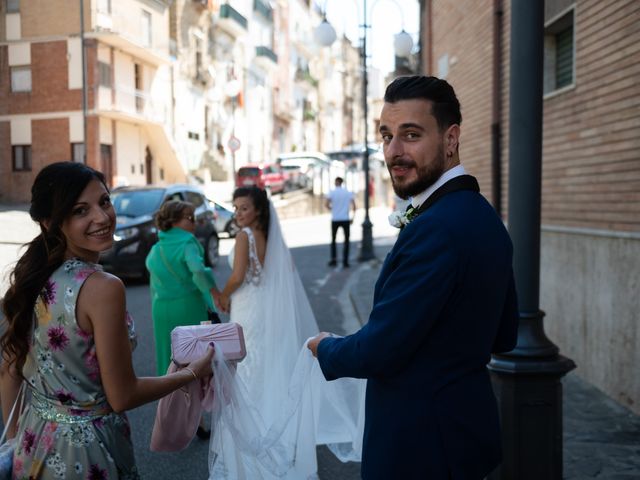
[(68, 430), (180, 288)]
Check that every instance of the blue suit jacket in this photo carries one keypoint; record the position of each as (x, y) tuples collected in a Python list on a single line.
[(444, 301)]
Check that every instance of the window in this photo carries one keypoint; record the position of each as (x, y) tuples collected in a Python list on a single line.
[(77, 152), (137, 81), (194, 198), (21, 158), (21, 79), (13, 6), (104, 6), (146, 28), (559, 45), (104, 73)]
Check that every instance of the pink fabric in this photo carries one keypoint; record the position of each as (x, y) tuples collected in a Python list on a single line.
[(188, 343), (178, 415)]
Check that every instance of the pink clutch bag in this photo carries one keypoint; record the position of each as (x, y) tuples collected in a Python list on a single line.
[(190, 342)]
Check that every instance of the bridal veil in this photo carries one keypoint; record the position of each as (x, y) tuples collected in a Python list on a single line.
[(273, 433)]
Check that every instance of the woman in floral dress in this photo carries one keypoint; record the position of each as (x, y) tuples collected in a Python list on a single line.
[(69, 337)]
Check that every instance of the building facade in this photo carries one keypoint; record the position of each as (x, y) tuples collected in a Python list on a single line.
[(590, 239), (121, 127), (168, 91)]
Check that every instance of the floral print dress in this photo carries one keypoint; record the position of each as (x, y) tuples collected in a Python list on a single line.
[(68, 430)]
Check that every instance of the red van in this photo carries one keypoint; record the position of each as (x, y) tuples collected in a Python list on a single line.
[(269, 177)]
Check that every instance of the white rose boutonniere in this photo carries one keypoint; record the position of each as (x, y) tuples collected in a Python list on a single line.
[(400, 219)]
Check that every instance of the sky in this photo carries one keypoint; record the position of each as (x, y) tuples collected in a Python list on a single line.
[(386, 18)]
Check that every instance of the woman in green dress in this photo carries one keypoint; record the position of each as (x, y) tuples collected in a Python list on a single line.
[(69, 338), (182, 287)]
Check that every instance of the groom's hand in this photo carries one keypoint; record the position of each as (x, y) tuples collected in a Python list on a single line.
[(315, 341)]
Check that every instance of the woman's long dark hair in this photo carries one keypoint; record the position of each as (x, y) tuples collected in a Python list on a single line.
[(260, 202), (53, 195)]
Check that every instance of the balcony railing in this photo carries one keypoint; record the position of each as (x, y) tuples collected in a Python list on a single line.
[(263, 9), (123, 30), (228, 12), (124, 101), (263, 51), (303, 75)]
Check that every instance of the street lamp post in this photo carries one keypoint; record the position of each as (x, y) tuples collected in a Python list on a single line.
[(527, 379), (325, 35), (232, 90)]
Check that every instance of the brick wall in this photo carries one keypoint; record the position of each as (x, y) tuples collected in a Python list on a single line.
[(591, 173), (53, 17), (5, 161), (50, 143), (591, 142), (49, 82), (463, 31)]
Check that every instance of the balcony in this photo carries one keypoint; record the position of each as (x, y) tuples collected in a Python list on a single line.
[(263, 9), (305, 79), (131, 105), (232, 21), (123, 32), (266, 58)]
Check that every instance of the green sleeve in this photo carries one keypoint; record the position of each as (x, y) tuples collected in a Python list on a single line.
[(201, 275)]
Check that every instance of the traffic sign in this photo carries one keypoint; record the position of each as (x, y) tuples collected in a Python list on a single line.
[(233, 143)]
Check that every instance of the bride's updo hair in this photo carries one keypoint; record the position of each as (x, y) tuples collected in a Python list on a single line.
[(260, 203)]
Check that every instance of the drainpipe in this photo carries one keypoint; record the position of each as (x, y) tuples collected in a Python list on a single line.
[(496, 109), (426, 26), (85, 100)]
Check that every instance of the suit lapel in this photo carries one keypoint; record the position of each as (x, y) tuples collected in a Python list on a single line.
[(463, 182)]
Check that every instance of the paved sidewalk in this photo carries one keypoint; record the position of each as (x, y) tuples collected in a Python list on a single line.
[(601, 437)]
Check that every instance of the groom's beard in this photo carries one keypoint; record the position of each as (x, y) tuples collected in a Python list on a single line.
[(427, 175)]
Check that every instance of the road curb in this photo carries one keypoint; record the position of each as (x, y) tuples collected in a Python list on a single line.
[(361, 286)]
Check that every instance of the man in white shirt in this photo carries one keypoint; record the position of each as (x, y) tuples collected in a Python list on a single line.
[(338, 200)]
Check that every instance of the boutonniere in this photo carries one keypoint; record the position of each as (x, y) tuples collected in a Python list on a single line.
[(400, 219)]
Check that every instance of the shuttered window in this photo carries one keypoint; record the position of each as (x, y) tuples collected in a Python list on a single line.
[(559, 53), (564, 58)]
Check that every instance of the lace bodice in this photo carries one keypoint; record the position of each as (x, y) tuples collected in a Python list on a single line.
[(254, 269)]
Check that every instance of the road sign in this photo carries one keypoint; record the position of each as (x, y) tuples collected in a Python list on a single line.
[(233, 144)]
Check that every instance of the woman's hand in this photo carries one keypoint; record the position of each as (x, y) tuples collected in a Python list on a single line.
[(202, 366), (225, 303)]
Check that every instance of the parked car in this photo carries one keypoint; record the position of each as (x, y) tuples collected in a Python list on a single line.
[(269, 177), (224, 219), (136, 232), (295, 178), (319, 171)]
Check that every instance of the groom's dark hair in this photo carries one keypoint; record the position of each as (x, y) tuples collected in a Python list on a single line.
[(445, 106)]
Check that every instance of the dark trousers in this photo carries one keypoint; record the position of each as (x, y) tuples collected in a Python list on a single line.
[(334, 231)]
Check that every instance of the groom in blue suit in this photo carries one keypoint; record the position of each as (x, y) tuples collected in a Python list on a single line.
[(444, 301)]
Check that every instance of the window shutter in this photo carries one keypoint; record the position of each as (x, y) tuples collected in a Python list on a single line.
[(564, 58)]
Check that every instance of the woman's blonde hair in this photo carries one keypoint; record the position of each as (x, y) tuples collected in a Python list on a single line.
[(171, 213)]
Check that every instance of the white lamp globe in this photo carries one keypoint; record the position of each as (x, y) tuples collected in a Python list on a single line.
[(403, 44), (324, 34)]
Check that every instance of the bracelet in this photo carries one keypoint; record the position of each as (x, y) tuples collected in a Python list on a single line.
[(191, 372)]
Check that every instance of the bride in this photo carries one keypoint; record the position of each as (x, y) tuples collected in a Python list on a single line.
[(272, 413)]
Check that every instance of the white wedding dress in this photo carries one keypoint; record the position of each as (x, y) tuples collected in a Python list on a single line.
[(270, 414)]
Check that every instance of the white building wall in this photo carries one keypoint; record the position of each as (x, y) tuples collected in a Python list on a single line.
[(129, 154), (589, 290)]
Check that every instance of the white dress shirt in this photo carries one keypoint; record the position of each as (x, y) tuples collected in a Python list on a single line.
[(454, 172)]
